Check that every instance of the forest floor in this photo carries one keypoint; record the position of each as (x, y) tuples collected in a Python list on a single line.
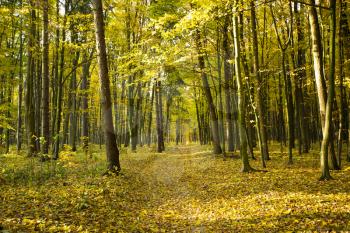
[(185, 189)]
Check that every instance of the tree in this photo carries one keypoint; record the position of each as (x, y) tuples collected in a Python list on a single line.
[(261, 125), (29, 98), (45, 81), (325, 102), (110, 138), (241, 99)]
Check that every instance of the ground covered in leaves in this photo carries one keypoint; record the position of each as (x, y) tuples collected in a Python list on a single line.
[(185, 189)]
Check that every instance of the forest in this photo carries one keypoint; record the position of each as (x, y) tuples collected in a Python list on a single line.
[(174, 116)]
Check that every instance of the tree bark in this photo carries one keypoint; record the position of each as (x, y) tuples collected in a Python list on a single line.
[(45, 82), (59, 81), (159, 117), (221, 107), (301, 75), (325, 107), (73, 111), (227, 84), (112, 151), (241, 100), (20, 88), (29, 98), (259, 94), (85, 105), (149, 121)]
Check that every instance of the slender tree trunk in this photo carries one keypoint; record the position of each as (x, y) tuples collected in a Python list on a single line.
[(55, 74), (111, 144), (241, 102), (178, 125), (343, 108), (169, 102), (149, 127), (227, 84), (221, 108), (259, 94), (135, 121), (301, 75), (325, 109), (60, 83), (8, 114), (159, 118), (20, 88), (73, 113), (37, 87), (289, 99), (85, 107), (328, 118), (317, 51), (29, 98), (45, 82), (199, 121)]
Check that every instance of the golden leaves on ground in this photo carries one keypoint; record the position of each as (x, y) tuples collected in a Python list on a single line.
[(185, 189)]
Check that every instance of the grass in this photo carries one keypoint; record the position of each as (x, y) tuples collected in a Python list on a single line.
[(185, 189)]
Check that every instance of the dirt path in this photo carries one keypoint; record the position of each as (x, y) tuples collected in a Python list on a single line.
[(185, 189)]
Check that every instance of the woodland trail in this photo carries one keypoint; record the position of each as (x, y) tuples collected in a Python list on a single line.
[(185, 189)]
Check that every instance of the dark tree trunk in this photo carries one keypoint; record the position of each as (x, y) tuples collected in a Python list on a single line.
[(59, 81), (159, 110), (20, 88), (73, 113), (149, 121), (85, 105), (29, 98), (301, 75), (45, 82), (111, 144), (227, 84)]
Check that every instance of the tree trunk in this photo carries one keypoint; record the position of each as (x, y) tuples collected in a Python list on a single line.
[(227, 84), (149, 127), (159, 117), (328, 119), (111, 144), (73, 113), (20, 88), (85, 107), (289, 99), (221, 108), (241, 102), (259, 94), (325, 109), (29, 98), (317, 51), (45, 82), (59, 81), (301, 75)]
